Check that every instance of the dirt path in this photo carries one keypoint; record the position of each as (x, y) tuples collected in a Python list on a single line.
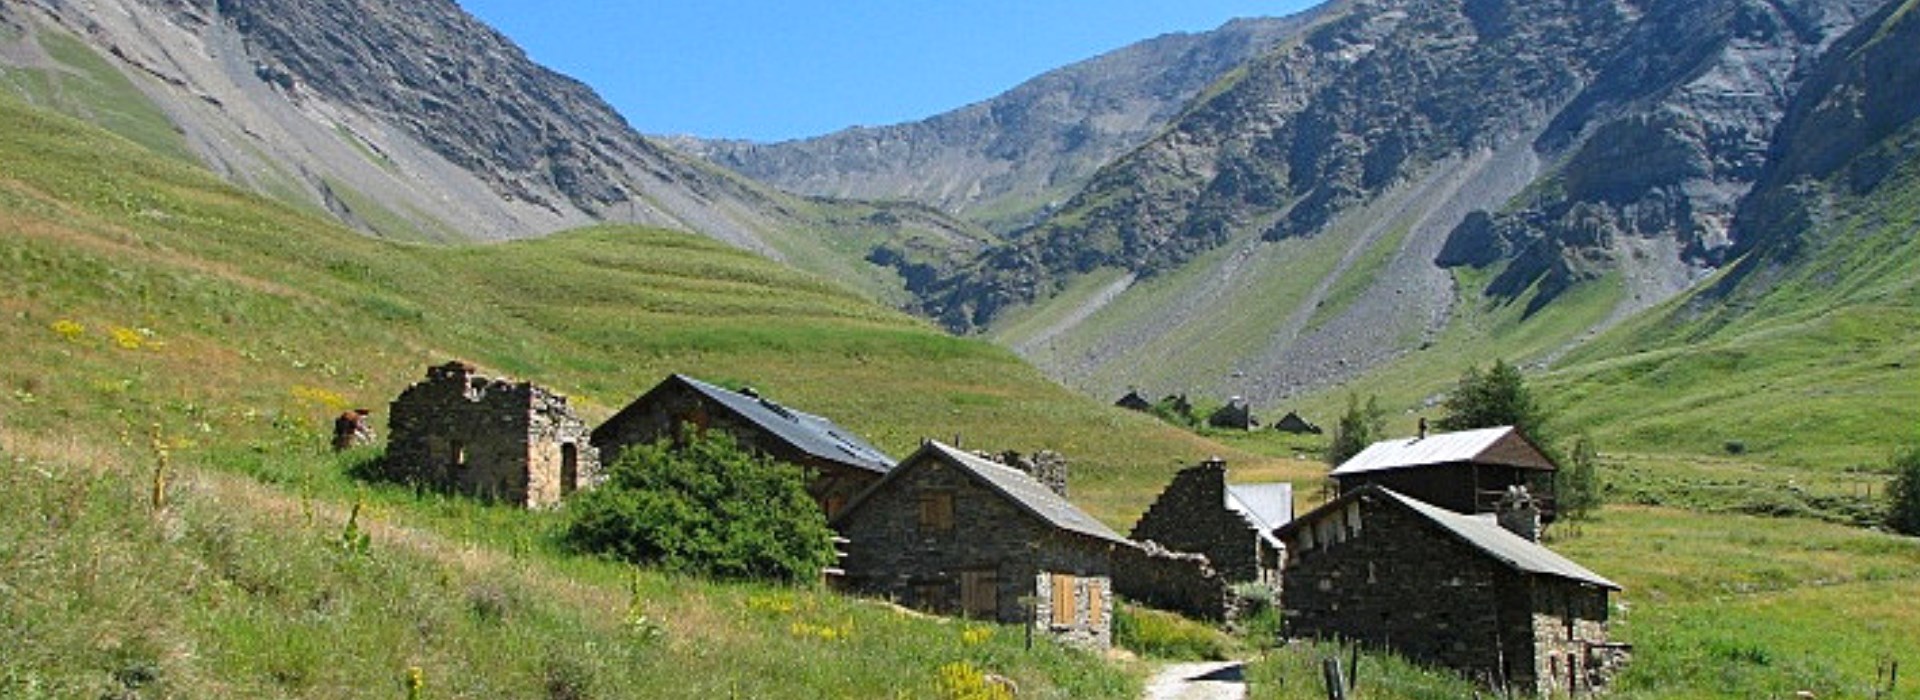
[(1207, 680)]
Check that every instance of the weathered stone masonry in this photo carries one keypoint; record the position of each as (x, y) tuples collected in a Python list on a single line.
[(1366, 570), (495, 438), (933, 537)]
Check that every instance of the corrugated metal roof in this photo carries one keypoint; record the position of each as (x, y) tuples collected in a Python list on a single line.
[(1265, 506), (806, 432), (1023, 490), (1438, 448), (1511, 549)]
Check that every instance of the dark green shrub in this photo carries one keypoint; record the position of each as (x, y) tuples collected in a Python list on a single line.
[(1578, 484), (1359, 427), (1494, 398), (706, 506), (1903, 495)]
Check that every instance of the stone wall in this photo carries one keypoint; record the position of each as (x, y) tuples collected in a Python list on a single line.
[(493, 438), (1181, 582), (1191, 515), (992, 542), (1569, 629)]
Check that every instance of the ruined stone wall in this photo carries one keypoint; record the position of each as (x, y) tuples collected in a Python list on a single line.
[(1384, 576), (1046, 466), (1191, 515), (491, 438), (1182, 582), (561, 458), (890, 553)]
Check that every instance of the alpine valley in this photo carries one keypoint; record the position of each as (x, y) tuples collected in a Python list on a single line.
[(1692, 224)]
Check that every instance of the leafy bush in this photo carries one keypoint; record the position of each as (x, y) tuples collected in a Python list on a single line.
[(704, 505), (1903, 495)]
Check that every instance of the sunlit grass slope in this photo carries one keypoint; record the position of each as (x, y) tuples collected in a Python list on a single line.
[(140, 290)]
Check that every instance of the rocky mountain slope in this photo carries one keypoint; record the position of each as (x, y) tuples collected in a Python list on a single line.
[(1004, 160), (1810, 336), (1331, 206), (404, 119)]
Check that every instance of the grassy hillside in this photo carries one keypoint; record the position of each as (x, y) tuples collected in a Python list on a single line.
[(142, 290), (149, 307)]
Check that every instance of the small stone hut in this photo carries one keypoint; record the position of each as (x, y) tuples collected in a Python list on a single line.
[(496, 438), (1133, 401), (1466, 472), (841, 463), (953, 533), (1293, 423), (1460, 591), (1237, 414)]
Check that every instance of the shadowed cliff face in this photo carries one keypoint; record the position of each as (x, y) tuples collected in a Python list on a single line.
[(431, 70), (1653, 118)]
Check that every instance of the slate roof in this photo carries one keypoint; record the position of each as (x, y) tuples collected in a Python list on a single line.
[(1265, 506), (806, 432), (1017, 486), (1477, 446), (1480, 532)]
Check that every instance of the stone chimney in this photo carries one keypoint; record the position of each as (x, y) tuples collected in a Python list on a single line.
[(1423, 428), (1518, 514)]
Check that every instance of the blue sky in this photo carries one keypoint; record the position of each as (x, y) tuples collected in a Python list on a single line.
[(768, 70)]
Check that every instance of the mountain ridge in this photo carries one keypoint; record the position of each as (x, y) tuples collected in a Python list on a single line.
[(1381, 98), (1001, 160), (415, 121)]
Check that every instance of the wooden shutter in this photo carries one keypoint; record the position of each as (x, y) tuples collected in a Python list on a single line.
[(1064, 605), (1096, 601), (980, 594), (936, 510)]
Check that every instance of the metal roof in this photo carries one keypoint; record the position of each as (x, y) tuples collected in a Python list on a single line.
[(1439, 448), (1265, 506), (1018, 486), (806, 432)]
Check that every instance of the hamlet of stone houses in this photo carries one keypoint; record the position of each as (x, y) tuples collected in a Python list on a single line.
[(1427, 545)]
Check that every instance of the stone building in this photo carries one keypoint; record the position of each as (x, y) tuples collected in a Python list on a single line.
[(1441, 587), (495, 438), (841, 464), (1229, 526), (1465, 472), (952, 533), (1293, 423), (1232, 524), (1237, 414)]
